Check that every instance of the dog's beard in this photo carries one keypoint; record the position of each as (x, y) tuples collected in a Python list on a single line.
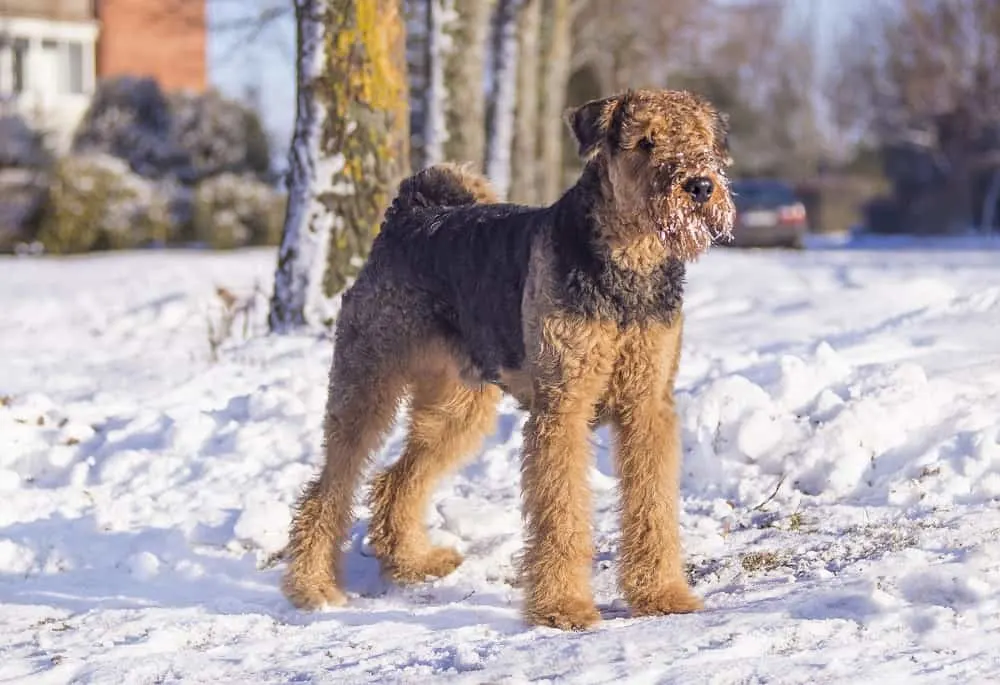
[(688, 232)]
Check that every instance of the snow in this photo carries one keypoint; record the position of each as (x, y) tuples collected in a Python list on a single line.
[(842, 473)]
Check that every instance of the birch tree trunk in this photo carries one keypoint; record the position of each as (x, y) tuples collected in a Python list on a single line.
[(418, 22), (440, 19), (349, 150), (503, 98), (302, 253), (465, 73), (524, 180), (557, 58), (447, 55)]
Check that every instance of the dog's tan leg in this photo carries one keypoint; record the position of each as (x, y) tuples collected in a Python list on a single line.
[(447, 422), (649, 462), (362, 404), (570, 377)]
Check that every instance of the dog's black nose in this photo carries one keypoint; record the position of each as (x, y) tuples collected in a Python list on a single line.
[(700, 189)]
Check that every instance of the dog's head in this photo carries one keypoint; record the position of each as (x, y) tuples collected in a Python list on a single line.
[(662, 156)]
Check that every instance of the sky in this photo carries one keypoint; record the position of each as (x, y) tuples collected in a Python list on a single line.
[(266, 62), (239, 61)]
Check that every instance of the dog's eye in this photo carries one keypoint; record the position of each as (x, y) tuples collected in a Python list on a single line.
[(646, 144)]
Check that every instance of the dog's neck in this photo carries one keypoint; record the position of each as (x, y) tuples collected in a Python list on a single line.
[(597, 263), (630, 240)]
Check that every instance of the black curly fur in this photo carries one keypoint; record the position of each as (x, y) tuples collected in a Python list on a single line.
[(595, 286), (466, 266)]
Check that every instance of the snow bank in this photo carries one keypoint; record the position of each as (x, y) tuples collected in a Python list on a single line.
[(861, 435)]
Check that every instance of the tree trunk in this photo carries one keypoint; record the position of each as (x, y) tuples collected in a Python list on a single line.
[(465, 70), (440, 19), (418, 61), (524, 182), (556, 59), (503, 98), (349, 150), (302, 252)]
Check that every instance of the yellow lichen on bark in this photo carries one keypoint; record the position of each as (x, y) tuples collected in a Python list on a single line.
[(367, 41), (364, 92)]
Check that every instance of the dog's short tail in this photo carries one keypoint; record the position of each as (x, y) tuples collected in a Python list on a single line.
[(441, 185)]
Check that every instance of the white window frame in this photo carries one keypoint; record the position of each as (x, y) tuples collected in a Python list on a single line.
[(37, 31), (46, 100)]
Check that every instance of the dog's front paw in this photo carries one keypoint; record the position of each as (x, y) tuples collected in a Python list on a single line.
[(312, 594), (673, 599), (565, 614)]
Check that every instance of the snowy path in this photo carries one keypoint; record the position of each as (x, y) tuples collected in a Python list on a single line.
[(841, 413)]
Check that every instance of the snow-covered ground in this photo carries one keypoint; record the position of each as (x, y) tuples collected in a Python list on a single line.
[(841, 420)]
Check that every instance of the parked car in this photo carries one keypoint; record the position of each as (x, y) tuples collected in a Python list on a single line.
[(768, 214)]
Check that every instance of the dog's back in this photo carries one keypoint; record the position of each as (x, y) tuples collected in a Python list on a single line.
[(447, 240)]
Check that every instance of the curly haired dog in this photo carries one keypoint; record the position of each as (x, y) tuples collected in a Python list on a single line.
[(575, 310)]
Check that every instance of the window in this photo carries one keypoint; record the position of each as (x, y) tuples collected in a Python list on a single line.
[(74, 57), (19, 57), (47, 67)]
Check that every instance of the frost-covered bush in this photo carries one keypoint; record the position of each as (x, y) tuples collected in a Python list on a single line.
[(234, 211), (20, 145), (24, 166), (219, 135), (96, 202), (196, 161), (22, 193), (130, 118), (186, 136)]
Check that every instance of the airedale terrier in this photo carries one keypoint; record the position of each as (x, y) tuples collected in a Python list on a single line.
[(575, 310)]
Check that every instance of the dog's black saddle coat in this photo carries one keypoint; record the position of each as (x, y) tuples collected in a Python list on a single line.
[(472, 262)]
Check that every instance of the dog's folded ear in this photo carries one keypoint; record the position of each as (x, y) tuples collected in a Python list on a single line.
[(591, 123)]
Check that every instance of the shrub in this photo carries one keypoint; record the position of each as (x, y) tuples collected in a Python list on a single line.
[(22, 194), (130, 118), (235, 211), (219, 135), (24, 166), (186, 136), (20, 145), (145, 164), (95, 202)]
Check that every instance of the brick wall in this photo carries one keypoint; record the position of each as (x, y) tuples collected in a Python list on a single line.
[(165, 39)]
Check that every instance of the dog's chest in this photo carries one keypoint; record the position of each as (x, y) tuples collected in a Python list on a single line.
[(603, 290)]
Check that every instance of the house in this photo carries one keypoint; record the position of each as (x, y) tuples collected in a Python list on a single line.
[(54, 52), (47, 69)]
